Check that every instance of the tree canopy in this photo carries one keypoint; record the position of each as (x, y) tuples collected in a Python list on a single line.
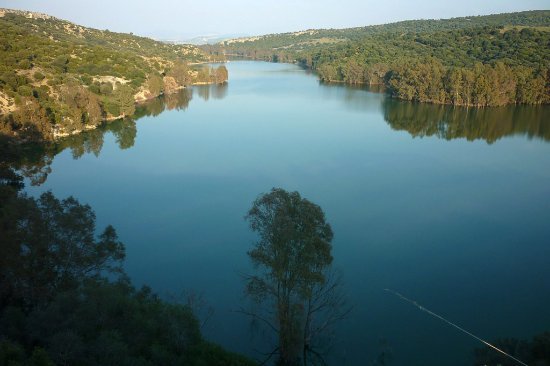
[(65, 300), (293, 260), (474, 61)]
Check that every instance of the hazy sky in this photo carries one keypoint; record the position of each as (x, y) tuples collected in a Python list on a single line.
[(184, 18)]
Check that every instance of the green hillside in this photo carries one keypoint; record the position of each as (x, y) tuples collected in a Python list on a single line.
[(461, 61), (58, 78)]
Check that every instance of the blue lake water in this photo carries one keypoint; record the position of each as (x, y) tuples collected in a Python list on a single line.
[(450, 207)]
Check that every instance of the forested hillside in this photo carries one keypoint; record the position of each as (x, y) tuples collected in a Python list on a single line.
[(478, 61), (58, 78)]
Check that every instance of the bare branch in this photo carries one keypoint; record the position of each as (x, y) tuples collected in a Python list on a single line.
[(256, 316)]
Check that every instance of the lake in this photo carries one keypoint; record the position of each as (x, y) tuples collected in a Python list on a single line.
[(448, 206)]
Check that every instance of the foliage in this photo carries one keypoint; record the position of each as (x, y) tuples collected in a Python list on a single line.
[(124, 99), (65, 300), (492, 124), (43, 60), (293, 258), (50, 246), (476, 61)]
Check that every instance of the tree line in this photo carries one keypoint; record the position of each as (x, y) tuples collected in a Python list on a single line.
[(474, 61), (428, 80)]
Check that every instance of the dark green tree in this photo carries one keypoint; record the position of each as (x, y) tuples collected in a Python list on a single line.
[(293, 281), (49, 245), (124, 98)]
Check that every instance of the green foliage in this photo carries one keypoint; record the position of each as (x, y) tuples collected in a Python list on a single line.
[(106, 88), (425, 60), (56, 52), (294, 245), (24, 90), (65, 300), (38, 76), (292, 258), (46, 231), (484, 85), (124, 98)]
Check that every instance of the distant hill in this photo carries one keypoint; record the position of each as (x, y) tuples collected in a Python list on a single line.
[(206, 39), (58, 78), (461, 61), (304, 39)]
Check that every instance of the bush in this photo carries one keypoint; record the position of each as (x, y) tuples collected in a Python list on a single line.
[(86, 79), (25, 90), (25, 64), (38, 76), (106, 88)]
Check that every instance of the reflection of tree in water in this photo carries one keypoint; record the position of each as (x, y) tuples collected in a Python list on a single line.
[(125, 131), (153, 107), (203, 91), (489, 124), (30, 160), (219, 91), (34, 161), (216, 91), (37, 170), (90, 142), (178, 101)]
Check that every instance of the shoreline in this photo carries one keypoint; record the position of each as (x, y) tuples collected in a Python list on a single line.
[(58, 135)]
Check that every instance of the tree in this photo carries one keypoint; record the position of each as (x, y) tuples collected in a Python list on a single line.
[(293, 259), (124, 98), (353, 72), (328, 72), (48, 246), (155, 85), (181, 73), (221, 74), (31, 120), (83, 107)]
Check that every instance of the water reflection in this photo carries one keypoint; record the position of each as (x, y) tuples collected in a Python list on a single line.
[(356, 97), (418, 119), (177, 101), (34, 162), (489, 124), (214, 91)]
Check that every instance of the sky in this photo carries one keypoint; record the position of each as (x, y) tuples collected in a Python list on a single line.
[(180, 19)]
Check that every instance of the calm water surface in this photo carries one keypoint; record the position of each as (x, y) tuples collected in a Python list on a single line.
[(450, 207)]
